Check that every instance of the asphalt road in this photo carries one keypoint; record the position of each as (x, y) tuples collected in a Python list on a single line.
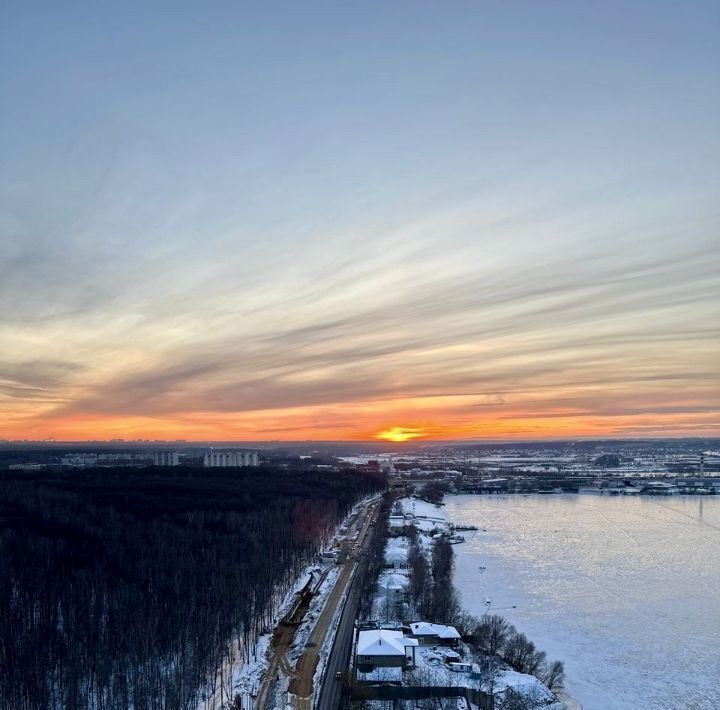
[(339, 658)]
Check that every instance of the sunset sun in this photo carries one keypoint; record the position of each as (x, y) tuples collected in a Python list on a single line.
[(397, 433)]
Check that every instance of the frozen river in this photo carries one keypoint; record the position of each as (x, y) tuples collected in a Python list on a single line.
[(625, 591)]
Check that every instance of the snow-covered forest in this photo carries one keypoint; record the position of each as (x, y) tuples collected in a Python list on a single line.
[(126, 589)]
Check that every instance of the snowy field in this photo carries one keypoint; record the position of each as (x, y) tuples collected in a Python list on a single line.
[(625, 591)]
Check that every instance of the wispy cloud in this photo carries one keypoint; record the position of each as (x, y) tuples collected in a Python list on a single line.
[(360, 239)]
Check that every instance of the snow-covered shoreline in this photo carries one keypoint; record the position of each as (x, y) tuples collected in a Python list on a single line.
[(621, 590), (432, 667)]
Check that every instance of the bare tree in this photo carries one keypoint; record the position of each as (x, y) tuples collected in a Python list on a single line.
[(522, 655), (512, 700), (553, 676), (444, 606), (490, 669), (143, 587), (419, 580), (492, 633)]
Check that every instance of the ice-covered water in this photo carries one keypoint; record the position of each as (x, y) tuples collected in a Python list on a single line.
[(624, 590)]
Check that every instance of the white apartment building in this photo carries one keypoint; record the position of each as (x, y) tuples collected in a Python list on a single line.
[(166, 458), (227, 457)]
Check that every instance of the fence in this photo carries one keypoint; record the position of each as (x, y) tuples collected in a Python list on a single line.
[(396, 692)]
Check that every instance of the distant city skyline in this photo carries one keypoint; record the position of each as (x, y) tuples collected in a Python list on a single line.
[(382, 221)]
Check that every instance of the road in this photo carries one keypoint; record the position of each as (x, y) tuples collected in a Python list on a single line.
[(346, 587), (330, 693), (301, 683)]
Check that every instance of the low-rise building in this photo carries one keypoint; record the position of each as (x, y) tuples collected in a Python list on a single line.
[(428, 634), (26, 466), (385, 648), (396, 553), (698, 485), (659, 488)]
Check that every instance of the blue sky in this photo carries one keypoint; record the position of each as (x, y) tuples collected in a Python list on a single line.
[(232, 219)]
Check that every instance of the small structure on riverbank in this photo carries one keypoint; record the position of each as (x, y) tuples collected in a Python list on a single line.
[(429, 634)]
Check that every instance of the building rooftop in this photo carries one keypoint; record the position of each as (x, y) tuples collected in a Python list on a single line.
[(383, 642), (424, 628)]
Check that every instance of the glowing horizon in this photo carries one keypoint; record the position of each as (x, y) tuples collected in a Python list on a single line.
[(395, 223)]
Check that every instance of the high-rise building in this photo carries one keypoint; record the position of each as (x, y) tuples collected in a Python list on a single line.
[(230, 457), (166, 458)]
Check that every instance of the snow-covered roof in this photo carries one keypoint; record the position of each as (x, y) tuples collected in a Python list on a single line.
[(424, 628), (383, 642), (395, 557), (396, 551)]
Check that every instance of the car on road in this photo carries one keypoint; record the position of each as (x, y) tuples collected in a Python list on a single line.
[(338, 675)]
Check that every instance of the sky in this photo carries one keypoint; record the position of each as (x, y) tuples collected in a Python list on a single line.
[(351, 220)]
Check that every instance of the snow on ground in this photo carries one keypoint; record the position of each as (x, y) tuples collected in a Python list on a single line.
[(432, 668), (316, 606), (397, 550), (246, 677), (621, 589), (279, 689), (422, 509), (381, 675), (523, 683), (426, 517), (397, 546), (444, 704), (390, 580), (432, 662)]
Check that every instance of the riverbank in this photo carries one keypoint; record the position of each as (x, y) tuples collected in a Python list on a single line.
[(619, 588), (417, 584)]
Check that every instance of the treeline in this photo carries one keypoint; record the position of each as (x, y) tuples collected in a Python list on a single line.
[(128, 588), (433, 597), (495, 636), (431, 592), (376, 559), (433, 492)]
